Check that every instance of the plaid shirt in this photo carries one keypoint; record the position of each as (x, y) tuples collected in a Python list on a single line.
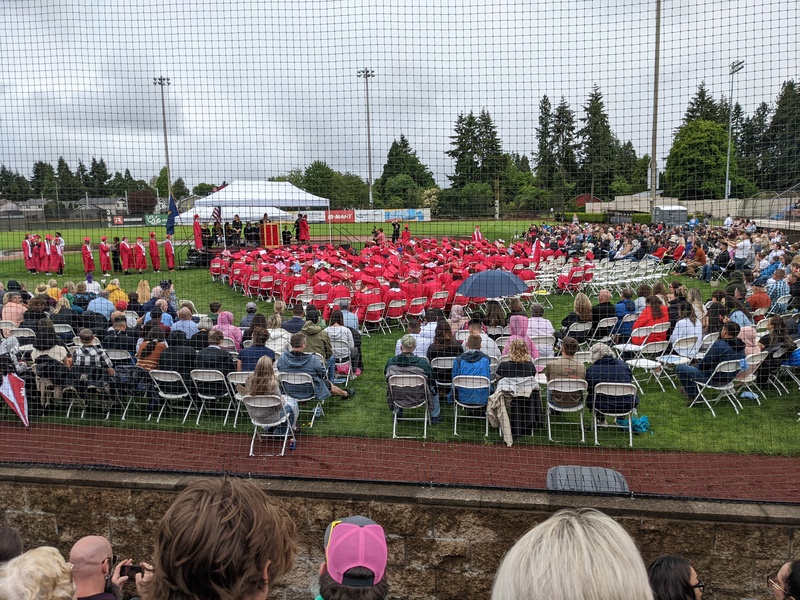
[(92, 357), (778, 289)]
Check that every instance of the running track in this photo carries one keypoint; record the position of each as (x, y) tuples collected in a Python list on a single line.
[(709, 476)]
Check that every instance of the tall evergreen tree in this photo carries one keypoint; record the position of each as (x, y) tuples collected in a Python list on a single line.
[(492, 161), (598, 147), (43, 175), (464, 151), (545, 155), (69, 188), (752, 146), (403, 160), (564, 144), (703, 106), (14, 186), (782, 143), (98, 178)]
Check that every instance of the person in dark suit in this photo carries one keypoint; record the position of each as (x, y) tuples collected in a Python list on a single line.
[(119, 338), (215, 358)]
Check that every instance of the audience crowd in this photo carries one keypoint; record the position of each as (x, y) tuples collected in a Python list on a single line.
[(226, 539)]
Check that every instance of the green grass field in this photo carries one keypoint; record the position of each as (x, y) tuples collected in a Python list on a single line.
[(770, 429)]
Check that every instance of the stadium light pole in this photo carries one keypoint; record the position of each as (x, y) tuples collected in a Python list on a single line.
[(162, 82), (654, 138), (736, 66), (367, 74)]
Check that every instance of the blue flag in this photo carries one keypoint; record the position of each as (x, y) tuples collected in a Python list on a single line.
[(173, 212)]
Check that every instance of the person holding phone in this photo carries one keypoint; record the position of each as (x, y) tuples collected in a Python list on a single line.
[(96, 572)]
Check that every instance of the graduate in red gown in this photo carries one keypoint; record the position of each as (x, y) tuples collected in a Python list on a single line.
[(27, 254), (405, 237), (305, 231), (197, 229), (87, 256), (125, 255), (56, 257), (105, 257), (139, 256), (37, 253), (45, 250), (477, 236), (169, 253), (155, 257), (58, 244)]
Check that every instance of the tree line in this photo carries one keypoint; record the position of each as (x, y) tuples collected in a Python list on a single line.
[(575, 154)]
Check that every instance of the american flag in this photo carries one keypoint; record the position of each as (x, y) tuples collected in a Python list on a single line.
[(216, 214)]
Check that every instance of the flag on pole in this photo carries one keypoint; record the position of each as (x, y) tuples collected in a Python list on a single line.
[(13, 392), (173, 213), (216, 214)]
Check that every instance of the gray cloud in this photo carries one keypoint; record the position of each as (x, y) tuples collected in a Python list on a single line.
[(259, 88)]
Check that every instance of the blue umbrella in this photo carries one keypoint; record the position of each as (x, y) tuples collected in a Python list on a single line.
[(496, 283)]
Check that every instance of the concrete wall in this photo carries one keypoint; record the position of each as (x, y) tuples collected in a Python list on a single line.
[(443, 543), (717, 208)]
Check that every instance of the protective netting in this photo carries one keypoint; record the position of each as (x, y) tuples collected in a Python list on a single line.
[(302, 153)]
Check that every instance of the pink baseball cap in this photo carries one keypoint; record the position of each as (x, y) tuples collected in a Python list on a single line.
[(355, 542)]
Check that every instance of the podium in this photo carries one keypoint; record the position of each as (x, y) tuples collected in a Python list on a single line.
[(270, 235)]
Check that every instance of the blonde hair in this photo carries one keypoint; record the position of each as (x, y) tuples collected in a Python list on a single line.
[(600, 557), (143, 289), (583, 307), (518, 352), (38, 574)]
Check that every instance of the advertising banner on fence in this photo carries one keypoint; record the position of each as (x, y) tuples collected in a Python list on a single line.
[(400, 214), (120, 220), (340, 216), (361, 216), (156, 220)]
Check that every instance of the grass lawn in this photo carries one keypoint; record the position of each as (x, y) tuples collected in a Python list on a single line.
[(770, 429)]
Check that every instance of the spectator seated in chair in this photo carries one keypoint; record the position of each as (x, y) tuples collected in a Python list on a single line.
[(407, 362)]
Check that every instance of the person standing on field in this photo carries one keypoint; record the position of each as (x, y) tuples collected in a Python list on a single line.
[(155, 257)]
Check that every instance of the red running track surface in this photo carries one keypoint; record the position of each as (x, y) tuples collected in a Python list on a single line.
[(708, 476)]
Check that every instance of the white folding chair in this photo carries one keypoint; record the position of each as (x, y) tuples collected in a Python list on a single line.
[(680, 355), (469, 382), (440, 366), (300, 386), (604, 327), (416, 394), (211, 385), (727, 370), (341, 356), (573, 387), (374, 315), (235, 379), (619, 391), (171, 387), (749, 379), (269, 412)]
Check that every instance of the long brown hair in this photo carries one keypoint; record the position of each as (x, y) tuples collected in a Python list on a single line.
[(654, 302)]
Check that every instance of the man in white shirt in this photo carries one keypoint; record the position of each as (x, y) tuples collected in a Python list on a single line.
[(728, 223), (414, 330), (742, 252)]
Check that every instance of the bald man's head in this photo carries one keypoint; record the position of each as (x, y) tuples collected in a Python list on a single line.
[(92, 559), (604, 296)]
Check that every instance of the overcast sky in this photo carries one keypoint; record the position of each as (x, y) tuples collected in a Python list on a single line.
[(261, 87)]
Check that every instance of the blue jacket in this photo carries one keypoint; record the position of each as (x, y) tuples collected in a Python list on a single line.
[(298, 362), (720, 351), (621, 309), (472, 362), (610, 370)]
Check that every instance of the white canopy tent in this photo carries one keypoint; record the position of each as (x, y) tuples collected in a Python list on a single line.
[(251, 199)]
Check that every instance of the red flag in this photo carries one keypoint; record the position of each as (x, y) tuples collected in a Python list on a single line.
[(13, 392)]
